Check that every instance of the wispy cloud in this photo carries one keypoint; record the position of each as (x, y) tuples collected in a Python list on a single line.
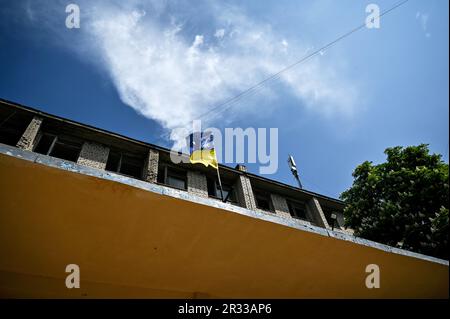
[(172, 62)]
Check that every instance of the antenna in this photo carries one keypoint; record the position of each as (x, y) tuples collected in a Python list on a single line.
[(294, 171)]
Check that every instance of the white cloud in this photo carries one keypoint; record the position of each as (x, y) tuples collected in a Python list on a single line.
[(168, 73), (198, 41)]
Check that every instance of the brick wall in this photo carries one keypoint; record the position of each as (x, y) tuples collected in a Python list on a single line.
[(280, 206), (244, 193)]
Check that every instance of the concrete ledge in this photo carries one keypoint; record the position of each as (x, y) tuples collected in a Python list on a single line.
[(226, 208)]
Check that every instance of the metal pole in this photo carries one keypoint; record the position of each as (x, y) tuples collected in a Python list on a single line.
[(220, 184), (298, 180)]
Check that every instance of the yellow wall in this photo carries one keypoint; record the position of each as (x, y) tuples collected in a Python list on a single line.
[(130, 242)]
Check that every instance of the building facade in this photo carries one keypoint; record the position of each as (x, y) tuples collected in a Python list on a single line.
[(35, 131), (137, 225)]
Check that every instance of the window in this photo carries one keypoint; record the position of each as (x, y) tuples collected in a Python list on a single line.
[(131, 166), (44, 144), (126, 164), (12, 125), (263, 201), (214, 190), (175, 180), (113, 162), (173, 177), (66, 151), (58, 146), (297, 210), (228, 192)]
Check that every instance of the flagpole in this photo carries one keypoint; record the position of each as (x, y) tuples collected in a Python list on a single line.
[(220, 183)]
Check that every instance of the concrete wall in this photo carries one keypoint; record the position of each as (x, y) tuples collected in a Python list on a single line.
[(28, 138), (280, 206), (93, 155), (317, 215), (197, 184), (151, 166), (244, 193)]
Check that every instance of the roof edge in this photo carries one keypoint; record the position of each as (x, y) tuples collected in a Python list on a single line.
[(163, 149)]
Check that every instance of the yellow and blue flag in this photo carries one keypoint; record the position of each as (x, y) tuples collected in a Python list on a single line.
[(201, 149)]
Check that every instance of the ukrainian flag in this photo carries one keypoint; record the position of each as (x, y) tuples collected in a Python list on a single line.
[(201, 149)]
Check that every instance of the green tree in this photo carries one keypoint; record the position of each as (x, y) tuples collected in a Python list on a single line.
[(403, 202)]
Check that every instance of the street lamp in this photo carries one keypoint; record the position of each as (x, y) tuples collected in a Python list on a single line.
[(294, 171)]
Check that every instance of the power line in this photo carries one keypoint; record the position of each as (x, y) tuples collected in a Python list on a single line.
[(305, 58), (221, 107)]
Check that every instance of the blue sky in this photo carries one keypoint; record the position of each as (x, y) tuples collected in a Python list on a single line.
[(142, 68)]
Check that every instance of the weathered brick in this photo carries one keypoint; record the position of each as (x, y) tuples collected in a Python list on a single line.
[(197, 183), (244, 192), (93, 155), (28, 138), (280, 206), (151, 166)]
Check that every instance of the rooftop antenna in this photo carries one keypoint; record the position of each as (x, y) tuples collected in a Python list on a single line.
[(294, 171)]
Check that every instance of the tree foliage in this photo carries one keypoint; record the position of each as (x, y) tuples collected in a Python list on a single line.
[(403, 202)]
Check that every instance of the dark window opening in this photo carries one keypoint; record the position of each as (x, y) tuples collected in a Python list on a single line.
[(131, 166), (297, 210), (112, 164), (124, 164), (66, 151), (161, 178), (263, 201), (214, 190), (176, 178), (12, 126), (211, 184), (60, 147), (228, 193), (173, 177), (44, 144), (176, 181)]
